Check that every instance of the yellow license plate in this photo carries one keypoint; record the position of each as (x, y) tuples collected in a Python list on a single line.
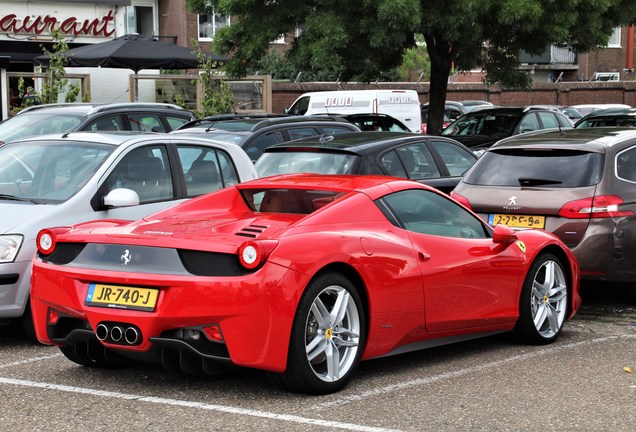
[(517, 221), (122, 297)]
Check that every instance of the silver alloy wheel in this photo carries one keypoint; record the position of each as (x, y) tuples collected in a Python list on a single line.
[(548, 301), (332, 333)]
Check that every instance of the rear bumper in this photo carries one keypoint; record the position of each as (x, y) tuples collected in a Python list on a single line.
[(254, 313)]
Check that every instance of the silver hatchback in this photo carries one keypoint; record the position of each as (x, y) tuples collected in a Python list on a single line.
[(64, 180)]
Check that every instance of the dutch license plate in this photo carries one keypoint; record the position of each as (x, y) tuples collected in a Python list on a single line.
[(517, 221), (122, 297)]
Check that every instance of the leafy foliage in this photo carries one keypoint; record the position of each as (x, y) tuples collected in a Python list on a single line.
[(54, 85), (217, 95), (367, 38)]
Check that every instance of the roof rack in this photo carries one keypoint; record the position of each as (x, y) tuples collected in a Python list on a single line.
[(153, 105), (54, 105)]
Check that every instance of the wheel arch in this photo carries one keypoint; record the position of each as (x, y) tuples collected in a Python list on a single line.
[(567, 268), (356, 279)]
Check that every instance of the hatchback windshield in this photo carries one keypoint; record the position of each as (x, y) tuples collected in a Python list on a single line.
[(47, 172), (32, 124), (554, 169), (298, 162)]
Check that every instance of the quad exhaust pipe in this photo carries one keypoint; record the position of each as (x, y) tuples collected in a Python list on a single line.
[(122, 334)]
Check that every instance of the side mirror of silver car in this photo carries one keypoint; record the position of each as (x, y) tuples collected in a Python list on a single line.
[(121, 197)]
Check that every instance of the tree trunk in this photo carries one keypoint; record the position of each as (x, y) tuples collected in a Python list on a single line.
[(440, 54)]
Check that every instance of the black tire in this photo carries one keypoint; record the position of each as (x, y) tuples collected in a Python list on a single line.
[(26, 322), (343, 337), (544, 301), (94, 354)]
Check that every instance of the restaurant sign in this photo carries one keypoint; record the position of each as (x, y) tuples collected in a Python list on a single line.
[(45, 24)]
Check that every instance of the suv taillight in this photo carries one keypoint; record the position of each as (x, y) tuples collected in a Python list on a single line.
[(604, 206)]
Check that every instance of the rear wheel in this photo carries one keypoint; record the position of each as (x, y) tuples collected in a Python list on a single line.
[(327, 337), (544, 301)]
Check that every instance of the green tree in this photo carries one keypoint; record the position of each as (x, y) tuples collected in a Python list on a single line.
[(56, 81), (217, 95), (365, 38)]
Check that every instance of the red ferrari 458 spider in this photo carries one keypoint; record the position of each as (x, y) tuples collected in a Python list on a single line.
[(300, 275)]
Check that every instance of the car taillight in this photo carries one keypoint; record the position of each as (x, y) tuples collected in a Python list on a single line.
[(604, 206), (252, 254), (46, 239), (460, 199)]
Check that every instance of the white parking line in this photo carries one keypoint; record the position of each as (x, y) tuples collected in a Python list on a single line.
[(422, 381), (30, 360), (196, 405)]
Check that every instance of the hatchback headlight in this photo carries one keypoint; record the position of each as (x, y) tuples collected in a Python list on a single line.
[(9, 247)]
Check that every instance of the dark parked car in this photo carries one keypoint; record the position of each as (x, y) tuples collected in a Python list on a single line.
[(229, 121), (579, 184), (433, 160), (372, 122), (256, 134), (63, 118), (625, 117), (480, 129)]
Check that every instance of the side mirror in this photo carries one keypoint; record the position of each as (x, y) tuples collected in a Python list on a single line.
[(286, 110), (504, 235), (121, 197)]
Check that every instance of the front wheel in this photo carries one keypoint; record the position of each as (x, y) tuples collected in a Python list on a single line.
[(327, 338), (544, 301)]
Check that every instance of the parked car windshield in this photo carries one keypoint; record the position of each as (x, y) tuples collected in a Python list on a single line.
[(47, 172), (554, 169), (483, 124), (32, 124), (271, 163)]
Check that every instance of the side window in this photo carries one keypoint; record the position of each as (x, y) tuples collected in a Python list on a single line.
[(426, 212), (108, 123), (457, 159), (412, 161), (549, 120), (145, 123), (300, 107), (206, 169), (529, 123), (255, 148), (564, 121), (392, 164), (626, 165), (332, 130), (146, 171), (175, 122), (297, 133)]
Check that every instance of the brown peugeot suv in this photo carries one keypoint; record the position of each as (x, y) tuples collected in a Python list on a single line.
[(579, 184)]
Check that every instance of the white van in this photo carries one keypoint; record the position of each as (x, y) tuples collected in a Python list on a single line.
[(404, 105)]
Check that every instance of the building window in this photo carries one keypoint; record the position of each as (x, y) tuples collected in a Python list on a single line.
[(140, 19), (210, 23), (615, 39)]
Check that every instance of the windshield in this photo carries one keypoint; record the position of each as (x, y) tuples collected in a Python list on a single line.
[(483, 124), (271, 163), (48, 172), (540, 168), (34, 124)]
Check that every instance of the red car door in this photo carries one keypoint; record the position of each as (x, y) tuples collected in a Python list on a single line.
[(468, 282)]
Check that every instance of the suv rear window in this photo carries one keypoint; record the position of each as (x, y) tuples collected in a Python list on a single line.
[(549, 168)]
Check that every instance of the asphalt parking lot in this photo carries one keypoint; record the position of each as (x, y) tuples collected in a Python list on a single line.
[(586, 381)]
